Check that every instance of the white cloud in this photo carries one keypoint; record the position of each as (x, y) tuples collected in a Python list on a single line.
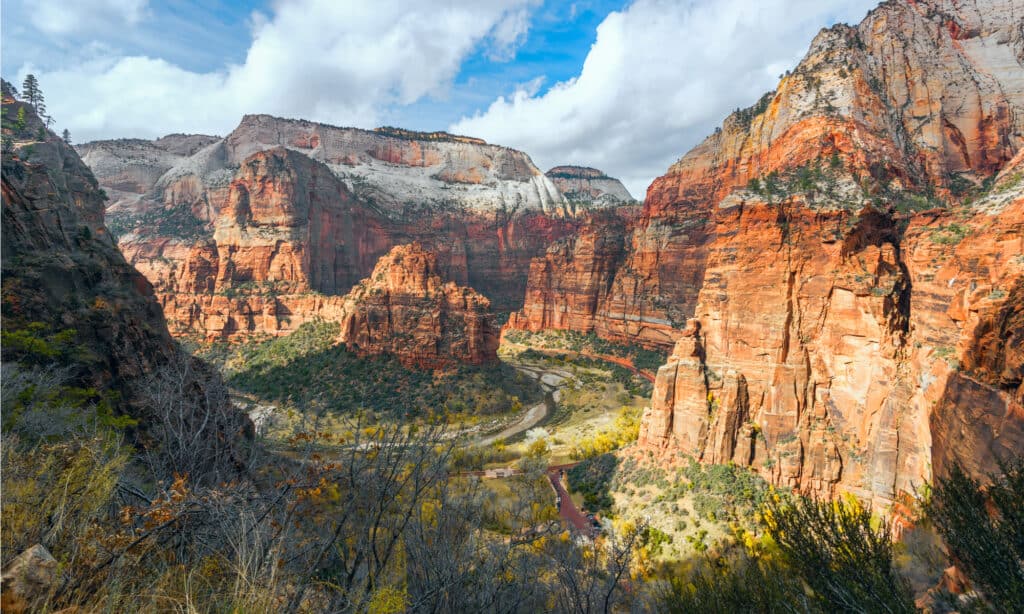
[(62, 17), (509, 34), (338, 62), (660, 76)]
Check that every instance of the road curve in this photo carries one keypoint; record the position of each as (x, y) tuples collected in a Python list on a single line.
[(551, 380)]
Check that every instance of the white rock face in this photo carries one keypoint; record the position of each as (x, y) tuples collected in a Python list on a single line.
[(402, 171), (398, 171), (589, 187)]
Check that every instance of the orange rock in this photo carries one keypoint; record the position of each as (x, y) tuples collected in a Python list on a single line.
[(236, 233), (823, 335), (405, 309)]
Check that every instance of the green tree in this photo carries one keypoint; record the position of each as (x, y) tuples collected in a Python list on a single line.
[(743, 583), (33, 94), (66, 135), (30, 91), (984, 530), (19, 124), (842, 554)]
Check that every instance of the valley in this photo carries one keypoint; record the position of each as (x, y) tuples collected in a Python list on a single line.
[(304, 367)]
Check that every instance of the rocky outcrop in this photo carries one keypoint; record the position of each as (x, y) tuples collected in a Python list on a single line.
[(406, 309), (850, 330), (569, 283), (28, 580), (404, 171), (71, 300), (589, 186), (920, 98), (286, 236)]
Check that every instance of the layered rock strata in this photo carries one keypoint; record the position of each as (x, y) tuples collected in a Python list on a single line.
[(589, 186), (922, 98), (485, 211), (856, 323), (407, 310)]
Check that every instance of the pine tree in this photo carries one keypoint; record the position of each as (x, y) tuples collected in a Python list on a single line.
[(66, 136), (33, 95), (30, 91)]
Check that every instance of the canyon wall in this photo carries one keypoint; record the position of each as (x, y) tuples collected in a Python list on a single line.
[(917, 99), (248, 235), (857, 324), (837, 269), (78, 312)]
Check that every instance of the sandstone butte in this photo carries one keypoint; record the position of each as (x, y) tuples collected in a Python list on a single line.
[(405, 309), (251, 234), (844, 311)]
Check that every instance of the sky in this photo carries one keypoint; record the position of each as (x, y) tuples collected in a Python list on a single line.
[(624, 86)]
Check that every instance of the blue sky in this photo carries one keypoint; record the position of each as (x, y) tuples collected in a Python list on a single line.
[(208, 34), (625, 86)]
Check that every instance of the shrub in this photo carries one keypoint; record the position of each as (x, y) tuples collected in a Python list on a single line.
[(841, 553), (307, 368), (984, 530), (624, 431), (592, 478)]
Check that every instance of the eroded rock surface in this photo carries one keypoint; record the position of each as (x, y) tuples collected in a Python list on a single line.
[(337, 200), (71, 302), (589, 186), (406, 309), (847, 339)]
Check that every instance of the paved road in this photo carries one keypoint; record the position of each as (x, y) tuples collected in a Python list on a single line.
[(534, 415), (568, 510)]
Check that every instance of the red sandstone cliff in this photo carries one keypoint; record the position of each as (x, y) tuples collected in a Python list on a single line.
[(844, 312), (841, 341), (73, 306), (287, 236), (405, 308), (919, 96), (485, 210)]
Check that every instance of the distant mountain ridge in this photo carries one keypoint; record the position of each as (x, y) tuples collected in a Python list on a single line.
[(331, 202), (589, 185)]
